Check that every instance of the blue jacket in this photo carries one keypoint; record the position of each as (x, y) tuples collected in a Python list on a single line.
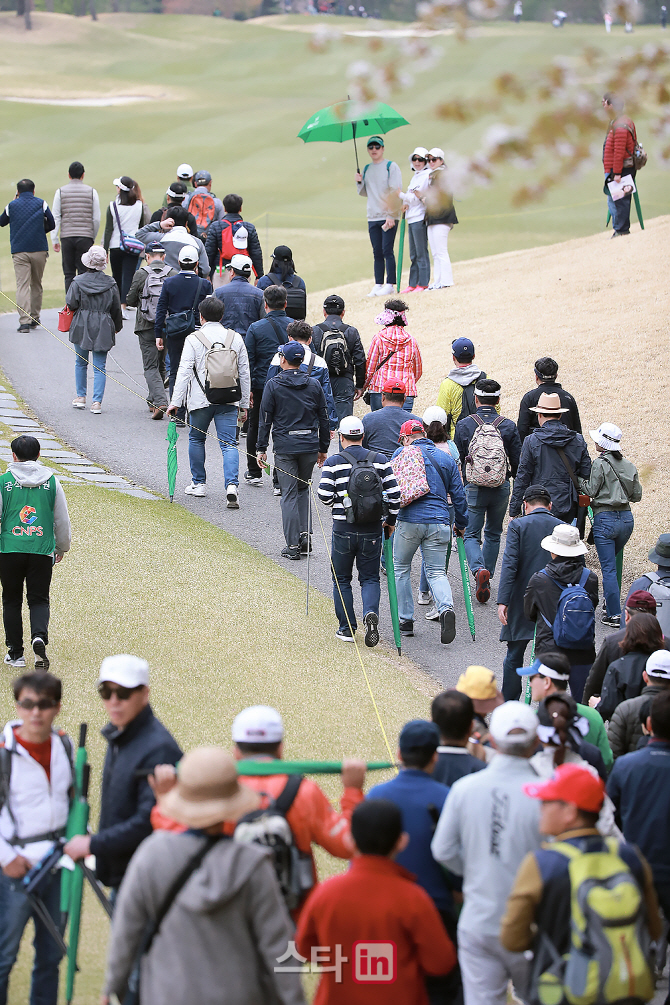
[(243, 304), (126, 800), (30, 220), (321, 374), (177, 295), (465, 430), (639, 787), (523, 557), (382, 428), (413, 792), (541, 464), (294, 405), (443, 477), (262, 342)]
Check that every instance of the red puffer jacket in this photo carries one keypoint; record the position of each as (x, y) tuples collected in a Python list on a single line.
[(619, 144)]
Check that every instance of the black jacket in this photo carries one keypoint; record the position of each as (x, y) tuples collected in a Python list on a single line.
[(465, 430), (541, 598), (608, 653), (353, 340), (126, 800), (625, 729), (294, 405), (522, 559), (262, 341), (213, 243), (528, 420), (178, 294), (623, 680), (541, 464)]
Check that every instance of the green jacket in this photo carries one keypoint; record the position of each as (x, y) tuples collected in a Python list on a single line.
[(597, 734), (612, 484)]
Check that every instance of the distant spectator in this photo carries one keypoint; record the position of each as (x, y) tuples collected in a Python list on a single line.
[(176, 195), (624, 677), (231, 235), (76, 210), (415, 216), (203, 204), (144, 294), (546, 372), (382, 427), (453, 713), (126, 214), (393, 355), (242, 301), (185, 178), (440, 219), (618, 160), (380, 183), (30, 221), (282, 273), (344, 354)]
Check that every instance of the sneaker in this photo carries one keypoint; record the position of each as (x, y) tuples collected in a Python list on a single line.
[(482, 579), (127, 315), (157, 413), (195, 490), (305, 543), (252, 479), (344, 635), (433, 614), (79, 402), (96, 408), (40, 650), (374, 292), (611, 620), (408, 289), (34, 323), (242, 433), (276, 491), (14, 661), (420, 289), (371, 620), (407, 628), (447, 626), (293, 554), (23, 330), (423, 598), (386, 290), (232, 501)]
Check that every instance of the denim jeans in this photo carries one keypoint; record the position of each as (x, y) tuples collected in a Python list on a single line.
[(81, 372), (382, 242), (15, 913), (225, 423), (419, 270), (433, 539), (376, 402), (511, 687), (611, 531), (364, 548), (620, 213), (488, 505), (343, 396), (578, 674)]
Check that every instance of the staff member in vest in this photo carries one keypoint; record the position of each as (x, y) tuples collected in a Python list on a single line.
[(30, 220), (76, 211), (33, 814), (34, 534)]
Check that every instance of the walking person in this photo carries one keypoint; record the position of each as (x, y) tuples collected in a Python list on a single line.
[(203, 204), (293, 406), (415, 216), (440, 219), (393, 355), (175, 196), (144, 294), (173, 234), (489, 449), (426, 523), (315, 366), (126, 214), (624, 677), (657, 583), (29, 220), (380, 183), (553, 456), (546, 372), (341, 347), (365, 505), (625, 727), (282, 273), (457, 391), (98, 318), (612, 486), (76, 212), (573, 633), (382, 427), (242, 301), (37, 771), (231, 235), (523, 557), (618, 160), (35, 533), (190, 389)]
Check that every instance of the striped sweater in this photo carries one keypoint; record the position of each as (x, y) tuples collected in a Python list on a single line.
[(335, 476)]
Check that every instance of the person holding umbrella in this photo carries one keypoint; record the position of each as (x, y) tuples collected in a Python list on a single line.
[(380, 182)]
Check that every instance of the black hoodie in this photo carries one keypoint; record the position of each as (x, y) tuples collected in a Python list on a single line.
[(541, 598), (541, 464), (294, 405)]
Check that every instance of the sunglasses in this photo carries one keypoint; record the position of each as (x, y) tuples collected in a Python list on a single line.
[(434, 159), (122, 693), (44, 704), (374, 146), (422, 160)]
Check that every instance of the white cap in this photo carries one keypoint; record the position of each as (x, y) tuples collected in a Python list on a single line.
[(658, 665), (351, 426), (607, 435), (188, 255), (241, 263), (418, 152), (124, 670), (258, 724), (184, 171), (241, 238), (436, 152), (434, 414), (119, 184), (513, 715)]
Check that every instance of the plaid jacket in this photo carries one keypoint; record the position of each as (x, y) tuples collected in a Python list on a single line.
[(405, 363)]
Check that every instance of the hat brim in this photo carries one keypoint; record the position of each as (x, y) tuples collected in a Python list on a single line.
[(597, 438), (657, 559), (208, 812), (548, 411), (565, 550), (483, 706)]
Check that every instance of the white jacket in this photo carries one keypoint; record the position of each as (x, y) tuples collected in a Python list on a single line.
[(416, 209), (486, 827), (186, 387), (38, 805)]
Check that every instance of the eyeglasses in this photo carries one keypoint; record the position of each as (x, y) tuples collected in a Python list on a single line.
[(122, 693), (374, 146), (44, 704)]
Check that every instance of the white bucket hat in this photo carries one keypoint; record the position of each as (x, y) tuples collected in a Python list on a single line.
[(565, 541), (607, 435)]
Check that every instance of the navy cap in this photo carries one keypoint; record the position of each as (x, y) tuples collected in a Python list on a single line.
[(463, 349), (419, 733), (293, 352), (201, 178), (155, 248)]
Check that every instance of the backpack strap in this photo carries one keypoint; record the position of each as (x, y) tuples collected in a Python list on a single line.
[(568, 467), (478, 419), (197, 294), (278, 332), (286, 797), (203, 340), (311, 363), (584, 578), (498, 422)]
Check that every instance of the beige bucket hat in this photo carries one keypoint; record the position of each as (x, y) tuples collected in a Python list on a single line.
[(548, 404), (207, 790)]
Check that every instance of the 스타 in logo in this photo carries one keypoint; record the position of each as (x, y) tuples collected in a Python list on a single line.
[(374, 962), (28, 515)]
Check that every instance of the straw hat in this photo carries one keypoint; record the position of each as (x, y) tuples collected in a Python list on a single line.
[(607, 435), (565, 541), (549, 404), (207, 790)]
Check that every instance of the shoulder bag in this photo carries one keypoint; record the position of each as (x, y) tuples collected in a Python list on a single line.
[(583, 501), (183, 322), (366, 396), (131, 245)]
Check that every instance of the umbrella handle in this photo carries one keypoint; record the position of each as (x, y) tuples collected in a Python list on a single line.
[(353, 129)]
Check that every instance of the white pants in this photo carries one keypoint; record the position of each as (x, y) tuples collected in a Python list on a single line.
[(486, 968), (438, 239)]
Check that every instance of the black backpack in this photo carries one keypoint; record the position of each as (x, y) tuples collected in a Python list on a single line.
[(296, 300), (365, 488), (335, 351)]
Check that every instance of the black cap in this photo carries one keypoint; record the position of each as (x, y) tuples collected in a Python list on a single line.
[(334, 303), (155, 248), (546, 368), (538, 492)]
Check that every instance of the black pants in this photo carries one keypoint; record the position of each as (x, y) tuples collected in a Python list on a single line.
[(124, 266), (17, 567), (71, 249), (252, 433), (382, 242)]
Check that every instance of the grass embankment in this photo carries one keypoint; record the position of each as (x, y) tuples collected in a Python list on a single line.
[(231, 97)]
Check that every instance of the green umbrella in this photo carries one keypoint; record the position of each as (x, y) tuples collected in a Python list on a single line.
[(172, 465), (393, 593), (343, 121), (401, 249), (301, 767), (73, 820), (527, 697), (466, 585), (80, 809)]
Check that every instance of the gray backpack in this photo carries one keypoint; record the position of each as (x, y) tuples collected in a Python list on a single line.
[(222, 378), (659, 587), (151, 291)]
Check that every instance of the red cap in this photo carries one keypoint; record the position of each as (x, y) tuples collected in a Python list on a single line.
[(642, 600), (571, 783), (409, 427), (394, 387)]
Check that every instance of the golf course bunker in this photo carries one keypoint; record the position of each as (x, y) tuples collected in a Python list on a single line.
[(118, 99)]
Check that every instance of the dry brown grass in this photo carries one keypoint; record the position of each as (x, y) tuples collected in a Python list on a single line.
[(600, 309)]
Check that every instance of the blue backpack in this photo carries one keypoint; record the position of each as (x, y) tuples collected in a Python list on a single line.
[(575, 622)]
